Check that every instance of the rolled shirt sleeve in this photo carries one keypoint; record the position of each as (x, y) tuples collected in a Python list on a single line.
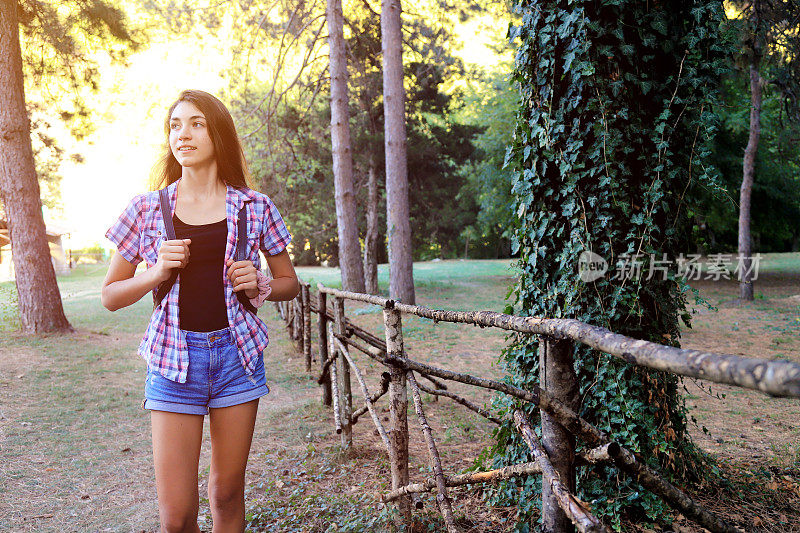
[(274, 236), (124, 233)]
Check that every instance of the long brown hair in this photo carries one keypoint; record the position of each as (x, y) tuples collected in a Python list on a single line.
[(231, 166)]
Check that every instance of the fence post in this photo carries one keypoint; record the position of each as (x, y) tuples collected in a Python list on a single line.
[(298, 320), (557, 376), (398, 407), (306, 295), (344, 372), (290, 319), (322, 322)]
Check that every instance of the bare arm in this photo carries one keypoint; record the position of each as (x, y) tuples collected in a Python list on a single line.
[(122, 288), (284, 279)]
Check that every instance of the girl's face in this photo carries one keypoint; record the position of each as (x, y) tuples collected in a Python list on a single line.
[(189, 139)]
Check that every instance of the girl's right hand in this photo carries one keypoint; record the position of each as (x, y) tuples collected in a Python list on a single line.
[(172, 254)]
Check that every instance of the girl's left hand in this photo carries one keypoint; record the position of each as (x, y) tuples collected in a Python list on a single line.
[(243, 276)]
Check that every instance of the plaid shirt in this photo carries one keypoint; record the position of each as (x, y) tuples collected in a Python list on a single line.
[(138, 234)]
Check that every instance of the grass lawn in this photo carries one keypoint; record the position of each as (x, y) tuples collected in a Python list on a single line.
[(75, 446)]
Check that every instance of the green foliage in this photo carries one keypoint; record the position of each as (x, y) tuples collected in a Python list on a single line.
[(492, 105), (93, 254), (9, 307), (775, 200), (288, 142), (615, 122), (59, 42), (768, 39)]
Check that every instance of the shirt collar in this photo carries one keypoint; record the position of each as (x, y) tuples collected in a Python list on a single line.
[(235, 196), (239, 196)]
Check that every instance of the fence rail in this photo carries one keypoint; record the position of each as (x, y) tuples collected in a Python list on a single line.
[(554, 455)]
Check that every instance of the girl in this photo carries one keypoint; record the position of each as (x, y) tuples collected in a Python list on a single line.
[(203, 345)]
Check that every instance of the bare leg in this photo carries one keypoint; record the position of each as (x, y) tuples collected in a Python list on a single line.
[(231, 435), (176, 452)]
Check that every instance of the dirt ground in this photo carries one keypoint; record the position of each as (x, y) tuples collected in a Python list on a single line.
[(75, 449)]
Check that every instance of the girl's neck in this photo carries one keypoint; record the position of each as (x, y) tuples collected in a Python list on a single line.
[(201, 184)]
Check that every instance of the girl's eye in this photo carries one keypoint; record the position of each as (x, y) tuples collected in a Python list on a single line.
[(199, 124)]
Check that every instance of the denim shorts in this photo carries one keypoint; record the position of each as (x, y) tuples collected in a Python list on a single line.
[(216, 378)]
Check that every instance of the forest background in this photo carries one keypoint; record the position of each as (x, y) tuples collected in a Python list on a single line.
[(268, 62), (98, 82)]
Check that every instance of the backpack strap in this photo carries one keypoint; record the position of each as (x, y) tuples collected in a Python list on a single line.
[(166, 214), (241, 243), (239, 253)]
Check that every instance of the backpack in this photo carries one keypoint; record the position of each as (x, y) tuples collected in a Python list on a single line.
[(165, 286)]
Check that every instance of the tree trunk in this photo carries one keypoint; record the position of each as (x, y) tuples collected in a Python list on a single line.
[(371, 238), (398, 227), (557, 376), (346, 221), (40, 306), (748, 170)]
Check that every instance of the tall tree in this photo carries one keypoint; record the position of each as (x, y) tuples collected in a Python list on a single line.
[(771, 41), (58, 38), (286, 133), (775, 201), (352, 269), (398, 226), (40, 305), (372, 233), (613, 125), (364, 54)]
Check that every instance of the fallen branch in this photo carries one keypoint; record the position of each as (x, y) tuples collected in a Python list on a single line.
[(385, 379), (576, 510), (380, 355), (325, 368), (627, 462), (601, 454), (337, 417), (463, 401), (652, 481), (773, 377), (367, 396), (500, 474), (441, 488)]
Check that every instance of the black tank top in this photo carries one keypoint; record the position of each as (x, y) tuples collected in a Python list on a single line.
[(201, 295)]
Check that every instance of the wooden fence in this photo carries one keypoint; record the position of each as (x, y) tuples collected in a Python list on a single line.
[(557, 399)]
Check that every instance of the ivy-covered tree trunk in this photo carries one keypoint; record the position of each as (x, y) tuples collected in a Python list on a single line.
[(40, 307), (614, 125)]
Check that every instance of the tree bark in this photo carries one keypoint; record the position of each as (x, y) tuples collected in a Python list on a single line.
[(557, 376), (325, 376), (748, 169), (344, 370), (398, 227), (305, 293), (40, 307), (398, 408), (371, 238), (442, 498), (346, 221), (575, 511)]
